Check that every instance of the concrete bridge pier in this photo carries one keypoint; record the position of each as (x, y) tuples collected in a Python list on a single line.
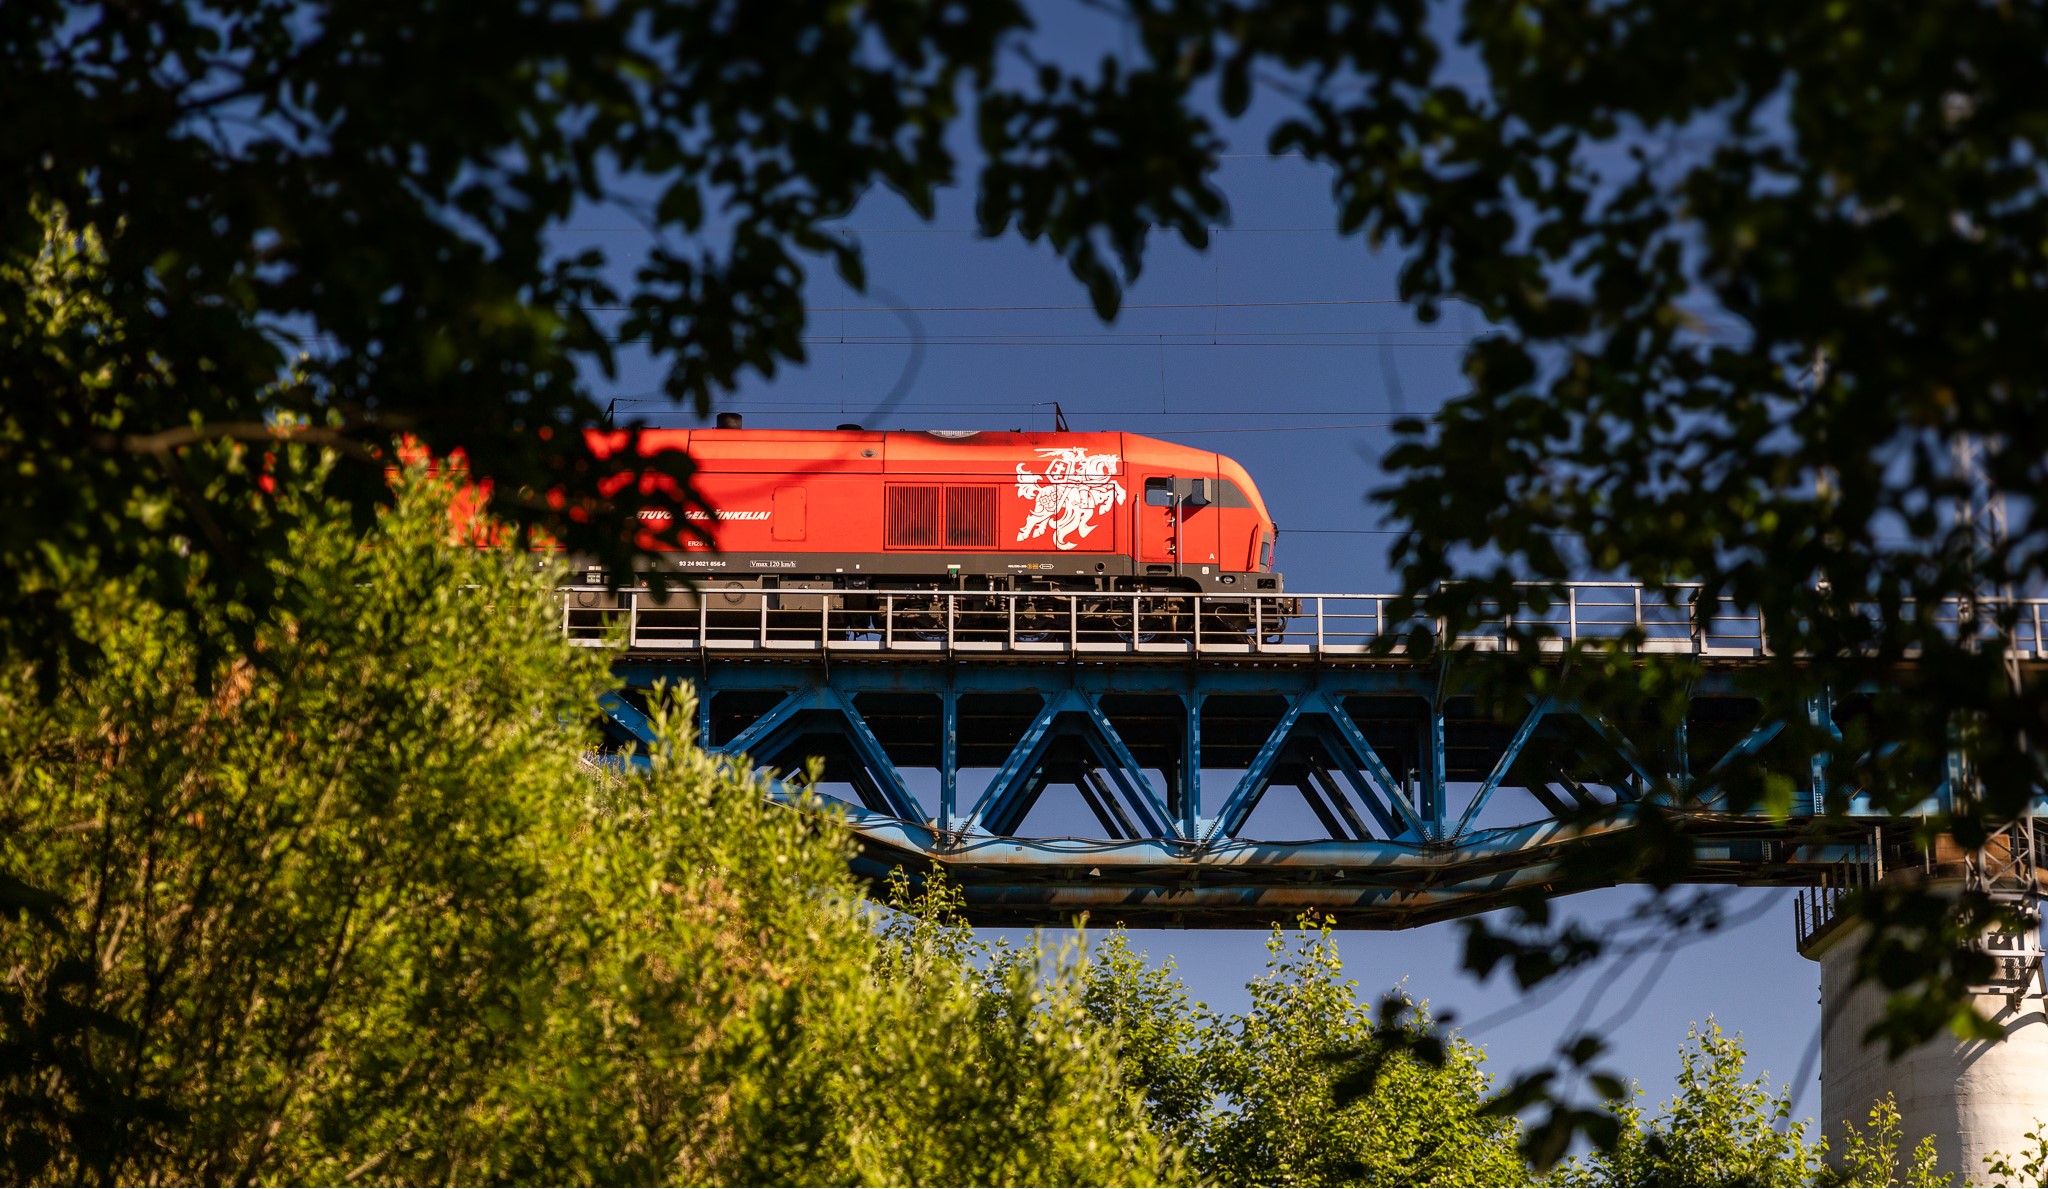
[(1974, 1097)]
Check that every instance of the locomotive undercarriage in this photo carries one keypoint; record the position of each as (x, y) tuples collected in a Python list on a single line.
[(1019, 609)]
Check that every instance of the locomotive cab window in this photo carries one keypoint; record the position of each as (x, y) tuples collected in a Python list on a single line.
[(1159, 492)]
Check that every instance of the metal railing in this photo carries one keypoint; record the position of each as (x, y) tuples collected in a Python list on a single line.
[(804, 619), (2007, 868), (1815, 909)]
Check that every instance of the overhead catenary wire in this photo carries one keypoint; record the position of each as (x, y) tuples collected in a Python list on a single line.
[(1171, 433), (1166, 433), (1083, 306), (1301, 229), (1421, 332), (1148, 340), (1145, 340), (806, 403), (771, 404), (1394, 532)]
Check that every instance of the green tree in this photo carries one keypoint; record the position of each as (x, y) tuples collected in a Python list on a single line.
[(1731, 262), (1718, 1129), (1253, 1096), (1751, 275), (2029, 1168), (1160, 1034), (975, 1065), (367, 910), (1722, 1129), (368, 198), (1871, 1154)]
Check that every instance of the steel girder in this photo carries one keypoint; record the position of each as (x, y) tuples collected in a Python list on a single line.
[(1415, 806)]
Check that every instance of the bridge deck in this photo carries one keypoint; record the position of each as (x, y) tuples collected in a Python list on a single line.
[(1313, 628), (1139, 763)]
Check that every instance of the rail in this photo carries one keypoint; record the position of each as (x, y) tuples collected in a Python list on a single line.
[(1038, 624)]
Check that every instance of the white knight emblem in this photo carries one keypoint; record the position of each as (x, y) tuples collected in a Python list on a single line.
[(1075, 487)]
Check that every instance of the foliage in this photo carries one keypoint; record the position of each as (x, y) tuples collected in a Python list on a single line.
[(1870, 1155), (1275, 1096), (371, 196), (979, 1066), (1730, 260), (1719, 1129), (2031, 1167), (80, 516), (1161, 1037), (1253, 1096), (365, 911), (1753, 273), (1420, 1125)]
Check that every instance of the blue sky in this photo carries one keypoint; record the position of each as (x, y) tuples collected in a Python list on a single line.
[(1286, 347)]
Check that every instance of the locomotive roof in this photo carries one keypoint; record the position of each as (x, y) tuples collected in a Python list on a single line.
[(963, 451)]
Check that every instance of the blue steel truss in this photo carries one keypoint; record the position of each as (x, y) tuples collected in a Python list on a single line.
[(1213, 782)]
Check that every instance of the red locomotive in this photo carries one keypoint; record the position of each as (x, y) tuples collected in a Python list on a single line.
[(853, 510)]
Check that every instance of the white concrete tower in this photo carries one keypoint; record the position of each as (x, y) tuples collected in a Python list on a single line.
[(1973, 1097)]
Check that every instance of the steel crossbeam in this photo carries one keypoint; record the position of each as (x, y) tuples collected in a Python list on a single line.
[(1222, 779), (1365, 791)]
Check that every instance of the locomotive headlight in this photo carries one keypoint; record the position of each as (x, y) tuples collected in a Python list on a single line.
[(1228, 580)]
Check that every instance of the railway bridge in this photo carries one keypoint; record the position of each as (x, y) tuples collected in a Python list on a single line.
[(1116, 759), (1119, 755)]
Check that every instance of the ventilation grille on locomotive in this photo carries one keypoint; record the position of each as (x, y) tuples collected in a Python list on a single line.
[(913, 520), (971, 517), (918, 518)]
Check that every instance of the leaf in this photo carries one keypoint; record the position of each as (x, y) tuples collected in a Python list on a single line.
[(1235, 83), (25, 899), (1583, 1049)]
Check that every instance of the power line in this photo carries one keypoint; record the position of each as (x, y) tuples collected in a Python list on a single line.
[(1141, 339), (1208, 336), (656, 396), (1169, 433), (1395, 532), (762, 402), (1320, 229), (1169, 305), (993, 410), (823, 408), (1174, 433), (821, 404), (1147, 341)]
